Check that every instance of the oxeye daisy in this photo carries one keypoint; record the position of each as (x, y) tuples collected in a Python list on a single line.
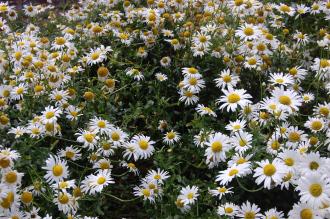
[(281, 79), (181, 205), (70, 153), (165, 61), (117, 136), (226, 79), (240, 158), (288, 100), (103, 164), (64, 185), (294, 136), (248, 32), (249, 210), (99, 125), (304, 211), (88, 138), (218, 144), (72, 113), (188, 97), (227, 209), (144, 146), (135, 73), (322, 110), (274, 214), (238, 125), (60, 42), (50, 114), (269, 173), (226, 176), (95, 183), (59, 97), (203, 110), (290, 159), (56, 168), (241, 141), (146, 193), (131, 167), (65, 202), (160, 175), (193, 84), (308, 97), (220, 191), (161, 77), (315, 124), (312, 162), (252, 62), (297, 73), (130, 150), (191, 72), (96, 56), (189, 194), (18, 92), (314, 189), (171, 137), (234, 98), (12, 178)]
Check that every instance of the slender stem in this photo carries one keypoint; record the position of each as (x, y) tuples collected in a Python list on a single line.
[(246, 189), (121, 200)]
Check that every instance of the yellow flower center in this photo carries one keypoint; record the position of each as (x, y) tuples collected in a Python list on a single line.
[(216, 146), (63, 199), (50, 115), (89, 137), (146, 192), (95, 55), (104, 165), (294, 136), (11, 177), (170, 135), (289, 161), (275, 145), (233, 98), (192, 81), (63, 185), (69, 154), (249, 215), (242, 142), (226, 78), (229, 210), (26, 197), (57, 170), (269, 169), (60, 41), (190, 195), (285, 100), (101, 180), (248, 31), (316, 125), (222, 189), (306, 214), (157, 177), (324, 111), (314, 165), (101, 124), (315, 189), (143, 144), (20, 90), (233, 172)]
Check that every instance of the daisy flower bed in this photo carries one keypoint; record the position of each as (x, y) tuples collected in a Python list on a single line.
[(165, 109)]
